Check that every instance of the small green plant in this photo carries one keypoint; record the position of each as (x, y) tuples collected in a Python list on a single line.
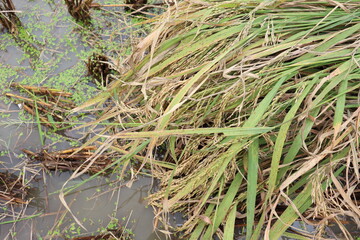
[(113, 224)]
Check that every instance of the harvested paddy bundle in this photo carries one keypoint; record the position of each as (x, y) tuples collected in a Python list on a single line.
[(248, 112)]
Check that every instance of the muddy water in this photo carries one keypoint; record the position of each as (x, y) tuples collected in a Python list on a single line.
[(62, 52), (95, 203)]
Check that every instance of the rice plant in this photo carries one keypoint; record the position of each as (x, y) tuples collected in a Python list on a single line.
[(248, 115)]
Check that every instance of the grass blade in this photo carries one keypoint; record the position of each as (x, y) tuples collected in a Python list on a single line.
[(253, 158)]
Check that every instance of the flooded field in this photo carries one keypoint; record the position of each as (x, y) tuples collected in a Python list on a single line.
[(52, 50), (47, 198)]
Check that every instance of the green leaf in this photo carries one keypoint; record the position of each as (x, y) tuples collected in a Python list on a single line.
[(230, 224), (253, 158), (224, 206)]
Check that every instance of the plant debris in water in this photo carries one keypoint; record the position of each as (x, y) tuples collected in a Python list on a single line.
[(12, 189), (257, 106), (72, 159), (98, 66), (50, 50), (80, 10), (50, 106)]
